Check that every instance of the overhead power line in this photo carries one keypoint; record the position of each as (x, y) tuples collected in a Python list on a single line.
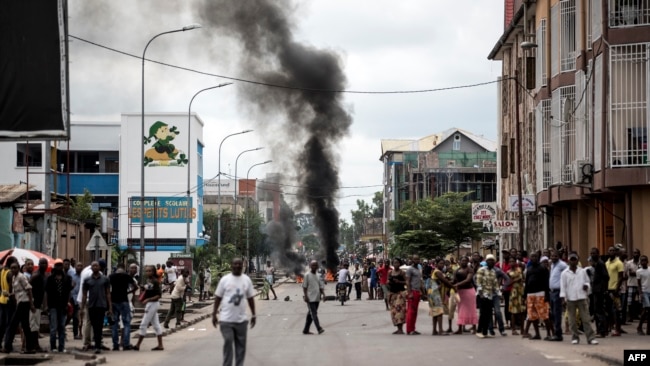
[(292, 87)]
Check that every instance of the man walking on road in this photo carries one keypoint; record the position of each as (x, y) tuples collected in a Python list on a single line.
[(313, 290), (599, 292), (413, 293), (574, 291), (176, 306), (234, 288)]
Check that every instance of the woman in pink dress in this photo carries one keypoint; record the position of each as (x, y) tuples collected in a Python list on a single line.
[(465, 289)]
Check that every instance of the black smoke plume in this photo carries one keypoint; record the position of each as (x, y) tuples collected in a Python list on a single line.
[(304, 126)]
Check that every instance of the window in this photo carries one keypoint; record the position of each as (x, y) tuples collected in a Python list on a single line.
[(456, 143), (29, 154), (541, 73), (627, 13), (596, 8), (543, 123), (567, 35), (87, 162), (111, 165), (555, 40), (628, 108)]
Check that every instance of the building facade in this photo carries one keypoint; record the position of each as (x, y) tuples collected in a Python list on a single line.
[(582, 98), (454, 160)]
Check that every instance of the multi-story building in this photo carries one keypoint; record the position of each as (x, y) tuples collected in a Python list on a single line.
[(103, 157), (454, 160), (577, 73)]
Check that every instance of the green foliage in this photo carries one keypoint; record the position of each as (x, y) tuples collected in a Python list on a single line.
[(310, 243), (430, 228), (81, 209), (365, 210)]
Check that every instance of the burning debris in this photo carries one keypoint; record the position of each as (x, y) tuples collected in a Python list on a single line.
[(303, 125)]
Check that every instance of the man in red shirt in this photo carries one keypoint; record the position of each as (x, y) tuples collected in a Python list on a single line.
[(382, 273)]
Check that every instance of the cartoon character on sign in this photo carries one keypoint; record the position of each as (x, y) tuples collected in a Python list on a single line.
[(163, 152)]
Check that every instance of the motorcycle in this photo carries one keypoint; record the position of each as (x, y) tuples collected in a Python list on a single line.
[(342, 293)]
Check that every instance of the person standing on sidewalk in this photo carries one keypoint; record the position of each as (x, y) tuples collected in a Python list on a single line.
[(536, 291), (314, 291), (557, 267), (235, 289), (76, 279), (96, 299), (615, 270), (57, 294), (176, 306), (151, 301), (121, 283), (171, 275), (38, 292), (574, 292), (22, 293), (414, 287), (631, 311), (487, 287), (599, 292), (643, 279)]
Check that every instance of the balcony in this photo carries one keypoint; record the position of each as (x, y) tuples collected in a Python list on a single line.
[(99, 184), (629, 13)]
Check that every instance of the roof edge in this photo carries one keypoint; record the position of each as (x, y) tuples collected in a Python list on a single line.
[(502, 40)]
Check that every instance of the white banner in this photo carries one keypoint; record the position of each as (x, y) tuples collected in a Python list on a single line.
[(484, 211), (506, 226), (228, 187), (528, 203)]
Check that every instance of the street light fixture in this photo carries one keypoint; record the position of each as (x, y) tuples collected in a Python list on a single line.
[(248, 252), (236, 160), (186, 28), (219, 192), (189, 161)]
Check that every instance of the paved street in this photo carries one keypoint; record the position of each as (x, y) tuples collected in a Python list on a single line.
[(359, 333)]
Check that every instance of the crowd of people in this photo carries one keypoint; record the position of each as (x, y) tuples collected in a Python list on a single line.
[(546, 290), (90, 299)]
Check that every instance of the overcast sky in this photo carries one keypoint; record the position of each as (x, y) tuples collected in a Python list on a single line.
[(384, 46)]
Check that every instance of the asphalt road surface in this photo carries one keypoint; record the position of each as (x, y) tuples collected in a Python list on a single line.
[(358, 332)]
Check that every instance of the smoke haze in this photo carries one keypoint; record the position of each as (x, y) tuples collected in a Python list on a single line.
[(303, 127)]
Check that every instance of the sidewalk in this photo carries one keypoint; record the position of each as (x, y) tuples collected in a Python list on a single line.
[(195, 312)]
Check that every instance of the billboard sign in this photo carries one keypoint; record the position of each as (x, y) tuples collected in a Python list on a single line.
[(247, 187), (33, 60), (484, 211), (161, 209), (527, 200), (506, 227), (211, 187)]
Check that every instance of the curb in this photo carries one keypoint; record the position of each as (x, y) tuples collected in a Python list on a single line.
[(607, 359)]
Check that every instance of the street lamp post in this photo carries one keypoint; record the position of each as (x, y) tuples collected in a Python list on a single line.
[(189, 161), (219, 192), (186, 28), (248, 253), (236, 161)]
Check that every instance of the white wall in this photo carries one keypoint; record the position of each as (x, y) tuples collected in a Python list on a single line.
[(160, 181)]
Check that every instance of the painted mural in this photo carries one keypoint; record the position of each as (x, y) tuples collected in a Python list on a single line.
[(159, 147)]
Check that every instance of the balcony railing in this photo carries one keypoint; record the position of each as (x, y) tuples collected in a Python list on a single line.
[(629, 13)]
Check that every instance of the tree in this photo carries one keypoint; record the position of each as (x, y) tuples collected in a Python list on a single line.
[(81, 208), (430, 228), (310, 243)]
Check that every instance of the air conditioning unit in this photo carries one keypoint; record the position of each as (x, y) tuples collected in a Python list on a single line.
[(582, 172)]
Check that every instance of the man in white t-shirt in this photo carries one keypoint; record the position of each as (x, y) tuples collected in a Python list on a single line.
[(231, 292), (172, 276), (344, 278)]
